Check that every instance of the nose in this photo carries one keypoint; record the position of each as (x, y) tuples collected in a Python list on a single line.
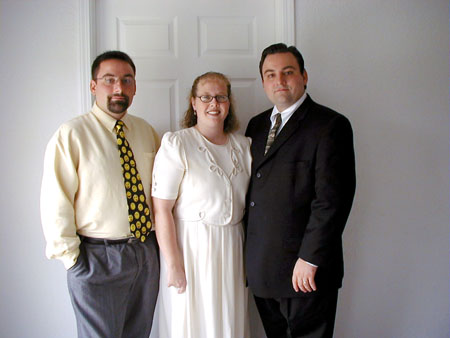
[(118, 86), (214, 102), (281, 78)]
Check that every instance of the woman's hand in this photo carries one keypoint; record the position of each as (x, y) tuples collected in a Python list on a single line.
[(176, 277), (166, 234)]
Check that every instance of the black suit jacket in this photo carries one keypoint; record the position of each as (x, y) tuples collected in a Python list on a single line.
[(299, 199)]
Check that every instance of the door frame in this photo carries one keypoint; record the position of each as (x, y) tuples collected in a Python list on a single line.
[(284, 23)]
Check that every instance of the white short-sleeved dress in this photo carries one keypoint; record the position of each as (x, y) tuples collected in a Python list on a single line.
[(209, 183)]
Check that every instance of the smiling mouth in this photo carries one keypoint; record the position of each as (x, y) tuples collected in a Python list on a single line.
[(213, 112)]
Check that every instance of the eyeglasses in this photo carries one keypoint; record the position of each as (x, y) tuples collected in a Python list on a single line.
[(209, 98), (109, 80)]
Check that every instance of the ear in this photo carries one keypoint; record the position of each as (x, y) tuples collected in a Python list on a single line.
[(193, 103), (263, 84), (93, 86), (305, 76)]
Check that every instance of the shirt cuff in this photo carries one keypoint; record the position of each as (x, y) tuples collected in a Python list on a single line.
[(70, 260), (311, 264)]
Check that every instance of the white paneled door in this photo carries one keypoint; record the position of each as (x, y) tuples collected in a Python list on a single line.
[(172, 42)]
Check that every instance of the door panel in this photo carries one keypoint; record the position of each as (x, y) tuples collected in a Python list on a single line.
[(172, 42)]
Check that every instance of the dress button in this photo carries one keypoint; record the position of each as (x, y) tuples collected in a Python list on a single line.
[(258, 175), (252, 204)]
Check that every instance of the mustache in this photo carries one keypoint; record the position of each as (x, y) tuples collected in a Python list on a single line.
[(118, 95)]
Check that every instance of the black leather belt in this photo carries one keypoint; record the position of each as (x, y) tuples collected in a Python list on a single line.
[(92, 240)]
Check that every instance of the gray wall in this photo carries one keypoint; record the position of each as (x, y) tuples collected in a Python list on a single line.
[(384, 64), (39, 90)]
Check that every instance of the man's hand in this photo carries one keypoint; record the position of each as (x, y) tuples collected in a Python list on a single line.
[(303, 277)]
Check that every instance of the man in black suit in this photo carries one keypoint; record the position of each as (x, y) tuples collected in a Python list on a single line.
[(299, 198)]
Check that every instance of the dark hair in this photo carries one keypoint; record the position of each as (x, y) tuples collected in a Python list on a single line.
[(190, 118), (110, 55), (281, 48)]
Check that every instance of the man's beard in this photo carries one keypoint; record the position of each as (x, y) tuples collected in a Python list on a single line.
[(118, 107)]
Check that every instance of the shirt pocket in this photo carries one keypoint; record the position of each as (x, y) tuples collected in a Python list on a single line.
[(146, 172)]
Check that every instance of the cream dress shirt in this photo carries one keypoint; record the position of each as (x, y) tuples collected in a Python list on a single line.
[(82, 186)]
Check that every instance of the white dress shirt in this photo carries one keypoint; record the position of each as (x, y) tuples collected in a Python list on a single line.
[(286, 114)]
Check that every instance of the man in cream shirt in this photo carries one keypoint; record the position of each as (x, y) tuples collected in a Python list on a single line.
[(112, 269)]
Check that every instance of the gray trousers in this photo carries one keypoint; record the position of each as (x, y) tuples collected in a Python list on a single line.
[(114, 287)]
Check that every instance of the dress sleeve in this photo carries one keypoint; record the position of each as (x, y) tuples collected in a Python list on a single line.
[(168, 170)]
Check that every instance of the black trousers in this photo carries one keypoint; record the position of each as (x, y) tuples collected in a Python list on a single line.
[(306, 317), (114, 287)]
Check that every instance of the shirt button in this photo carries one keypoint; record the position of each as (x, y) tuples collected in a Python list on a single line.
[(258, 175), (252, 204)]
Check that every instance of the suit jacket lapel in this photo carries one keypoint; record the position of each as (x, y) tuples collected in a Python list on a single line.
[(289, 128)]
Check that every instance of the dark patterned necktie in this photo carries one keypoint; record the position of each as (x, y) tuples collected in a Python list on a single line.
[(138, 210), (273, 132)]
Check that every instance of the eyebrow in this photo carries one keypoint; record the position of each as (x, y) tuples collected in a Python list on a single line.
[(109, 74), (285, 68)]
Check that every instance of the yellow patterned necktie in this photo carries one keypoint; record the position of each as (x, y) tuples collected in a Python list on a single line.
[(138, 210), (273, 132)]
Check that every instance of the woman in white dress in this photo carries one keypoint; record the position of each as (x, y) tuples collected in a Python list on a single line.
[(200, 179)]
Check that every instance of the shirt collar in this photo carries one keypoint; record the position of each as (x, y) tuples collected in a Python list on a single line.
[(287, 113), (107, 120)]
